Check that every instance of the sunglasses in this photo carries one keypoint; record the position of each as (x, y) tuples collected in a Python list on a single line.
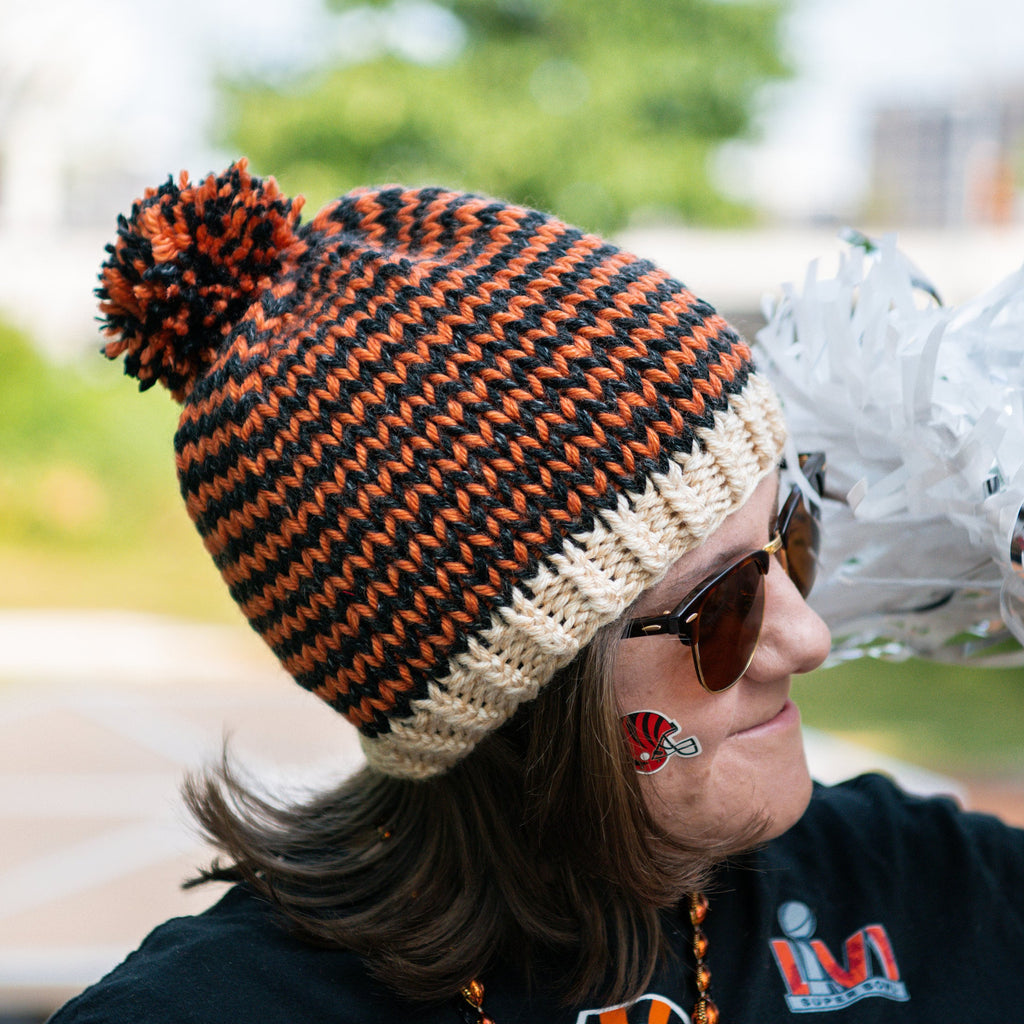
[(720, 620)]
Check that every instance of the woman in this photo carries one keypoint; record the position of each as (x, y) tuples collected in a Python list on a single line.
[(508, 498)]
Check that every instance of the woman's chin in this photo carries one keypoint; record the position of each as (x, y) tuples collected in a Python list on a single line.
[(789, 802)]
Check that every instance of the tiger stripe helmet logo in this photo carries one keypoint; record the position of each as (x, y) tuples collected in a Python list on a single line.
[(648, 1009), (651, 743)]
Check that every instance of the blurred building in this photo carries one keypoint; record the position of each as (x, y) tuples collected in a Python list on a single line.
[(958, 165)]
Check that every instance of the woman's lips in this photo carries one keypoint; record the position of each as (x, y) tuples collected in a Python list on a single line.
[(786, 717)]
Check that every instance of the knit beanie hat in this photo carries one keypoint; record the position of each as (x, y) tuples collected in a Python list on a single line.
[(433, 441)]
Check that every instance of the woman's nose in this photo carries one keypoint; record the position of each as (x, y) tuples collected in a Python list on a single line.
[(794, 638)]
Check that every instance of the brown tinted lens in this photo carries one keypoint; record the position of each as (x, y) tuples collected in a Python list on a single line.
[(801, 538), (1017, 543), (728, 625)]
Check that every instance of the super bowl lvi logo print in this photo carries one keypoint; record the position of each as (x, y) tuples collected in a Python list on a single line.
[(816, 980), (648, 1009)]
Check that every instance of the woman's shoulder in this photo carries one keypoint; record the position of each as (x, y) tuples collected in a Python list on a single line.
[(871, 817), (235, 961), (867, 898), (878, 799)]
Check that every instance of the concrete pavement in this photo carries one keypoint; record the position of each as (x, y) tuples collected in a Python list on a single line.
[(100, 717)]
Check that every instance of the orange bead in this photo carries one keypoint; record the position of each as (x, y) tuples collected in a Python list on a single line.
[(705, 1012), (700, 945), (703, 979), (473, 993), (698, 908)]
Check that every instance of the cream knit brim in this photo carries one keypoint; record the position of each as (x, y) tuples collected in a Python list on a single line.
[(594, 579)]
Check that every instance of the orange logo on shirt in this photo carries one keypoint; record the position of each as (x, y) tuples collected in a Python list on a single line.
[(648, 1009)]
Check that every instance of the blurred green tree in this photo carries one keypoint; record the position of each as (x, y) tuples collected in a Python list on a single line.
[(594, 110)]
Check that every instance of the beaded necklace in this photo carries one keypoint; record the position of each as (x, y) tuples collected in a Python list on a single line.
[(704, 1010)]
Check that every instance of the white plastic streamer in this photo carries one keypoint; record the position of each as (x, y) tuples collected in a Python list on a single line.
[(919, 408)]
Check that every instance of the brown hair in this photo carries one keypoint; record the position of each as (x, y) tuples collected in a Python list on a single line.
[(537, 848)]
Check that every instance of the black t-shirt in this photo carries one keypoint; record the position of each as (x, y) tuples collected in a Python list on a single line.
[(876, 906)]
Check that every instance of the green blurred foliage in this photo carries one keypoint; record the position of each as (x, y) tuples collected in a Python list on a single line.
[(594, 111), (90, 514), (959, 719), (79, 463)]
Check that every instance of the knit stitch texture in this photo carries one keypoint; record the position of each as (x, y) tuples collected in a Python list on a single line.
[(433, 441)]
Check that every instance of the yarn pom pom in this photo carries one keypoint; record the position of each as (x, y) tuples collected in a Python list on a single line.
[(187, 263), (919, 408)]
